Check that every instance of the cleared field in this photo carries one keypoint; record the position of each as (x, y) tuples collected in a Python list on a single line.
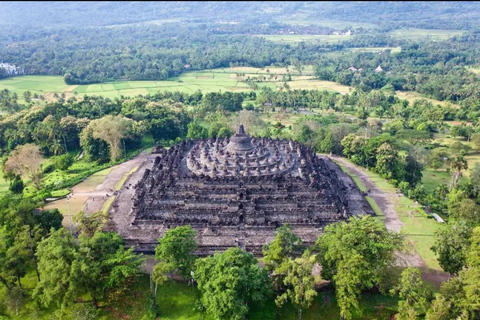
[(374, 49), (304, 18), (296, 38), (421, 34), (412, 96), (474, 70)]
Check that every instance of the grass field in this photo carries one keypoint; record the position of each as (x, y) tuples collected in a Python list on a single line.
[(411, 96), (214, 80), (296, 38), (418, 229), (422, 34), (433, 178), (474, 70)]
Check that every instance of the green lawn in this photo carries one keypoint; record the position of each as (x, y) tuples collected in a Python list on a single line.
[(419, 229), (433, 178)]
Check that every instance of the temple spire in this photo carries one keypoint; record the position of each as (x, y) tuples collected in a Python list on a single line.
[(240, 130)]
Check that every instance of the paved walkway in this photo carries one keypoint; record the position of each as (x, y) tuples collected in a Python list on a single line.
[(105, 190)]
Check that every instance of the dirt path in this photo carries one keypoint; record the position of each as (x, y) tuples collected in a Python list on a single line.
[(392, 221)]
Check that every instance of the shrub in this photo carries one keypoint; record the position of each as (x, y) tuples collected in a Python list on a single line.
[(63, 162)]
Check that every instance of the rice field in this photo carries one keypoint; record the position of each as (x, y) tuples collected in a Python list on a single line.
[(422, 34), (213, 80)]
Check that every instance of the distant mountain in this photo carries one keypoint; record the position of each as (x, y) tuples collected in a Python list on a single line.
[(436, 15)]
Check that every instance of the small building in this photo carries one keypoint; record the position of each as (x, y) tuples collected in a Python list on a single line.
[(438, 218), (352, 69), (11, 69), (187, 66), (379, 69)]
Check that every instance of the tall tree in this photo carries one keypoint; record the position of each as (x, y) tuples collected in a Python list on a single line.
[(55, 257), (412, 294), (457, 165), (112, 129), (229, 282), (26, 161), (175, 250), (356, 255), (103, 265), (451, 244), (299, 283), (283, 247)]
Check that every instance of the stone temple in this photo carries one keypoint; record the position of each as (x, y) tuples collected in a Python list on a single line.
[(234, 192)]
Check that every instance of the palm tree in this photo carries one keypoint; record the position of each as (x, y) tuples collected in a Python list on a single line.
[(457, 165)]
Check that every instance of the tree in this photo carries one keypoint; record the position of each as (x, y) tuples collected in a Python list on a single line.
[(26, 161), (300, 284), (285, 244), (457, 165), (413, 171), (89, 224), (440, 309), (16, 185), (103, 265), (27, 95), (412, 294), (475, 177), (449, 303), (283, 247), (466, 210), (476, 141), (229, 281), (196, 131), (356, 255), (55, 257), (327, 144), (175, 249), (451, 244), (27, 240), (48, 219), (387, 161), (15, 299), (112, 129)]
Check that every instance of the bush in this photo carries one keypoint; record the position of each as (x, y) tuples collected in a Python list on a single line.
[(48, 168), (63, 162), (16, 185)]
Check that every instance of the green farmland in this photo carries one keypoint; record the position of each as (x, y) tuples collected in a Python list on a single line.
[(214, 80), (422, 34)]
